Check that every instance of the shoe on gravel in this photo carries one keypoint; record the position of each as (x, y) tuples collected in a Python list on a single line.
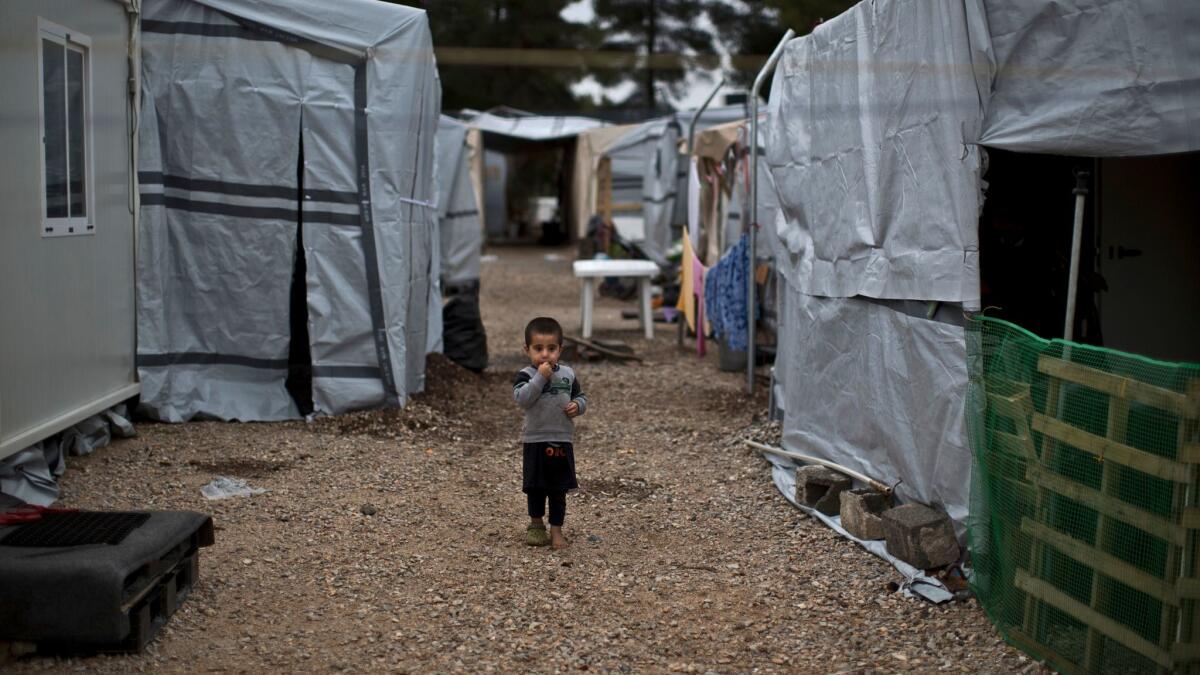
[(536, 535)]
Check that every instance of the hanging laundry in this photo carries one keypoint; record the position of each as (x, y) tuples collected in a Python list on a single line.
[(691, 288), (725, 296)]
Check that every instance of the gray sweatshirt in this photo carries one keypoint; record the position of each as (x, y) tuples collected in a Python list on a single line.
[(543, 402)]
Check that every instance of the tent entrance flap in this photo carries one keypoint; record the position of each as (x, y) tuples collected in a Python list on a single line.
[(299, 379)]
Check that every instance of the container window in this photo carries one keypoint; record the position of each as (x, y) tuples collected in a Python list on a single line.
[(66, 133)]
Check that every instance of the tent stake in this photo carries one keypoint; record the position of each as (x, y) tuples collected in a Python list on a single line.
[(752, 218)]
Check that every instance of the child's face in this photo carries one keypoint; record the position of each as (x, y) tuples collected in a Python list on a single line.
[(543, 348)]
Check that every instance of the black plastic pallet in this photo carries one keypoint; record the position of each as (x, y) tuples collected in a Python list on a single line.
[(99, 597), (76, 528)]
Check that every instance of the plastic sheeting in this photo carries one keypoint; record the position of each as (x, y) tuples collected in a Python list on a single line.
[(257, 117), (879, 389), (1101, 78), (645, 164), (534, 127), (459, 223), (868, 140), (768, 206), (32, 474), (590, 146), (874, 134)]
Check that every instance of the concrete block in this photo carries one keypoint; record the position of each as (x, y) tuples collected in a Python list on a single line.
[(821, 488), (920, 536), (861, 511)]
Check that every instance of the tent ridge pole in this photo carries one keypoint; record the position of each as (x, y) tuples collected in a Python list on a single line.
[(752, 219)]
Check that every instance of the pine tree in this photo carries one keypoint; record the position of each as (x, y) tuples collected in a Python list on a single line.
[(653, 28), (504, 25), (754, 27)]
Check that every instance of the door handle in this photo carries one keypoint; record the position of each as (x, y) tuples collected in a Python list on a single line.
[(1123, 252)]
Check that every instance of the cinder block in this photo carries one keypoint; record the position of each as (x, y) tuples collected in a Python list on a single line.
[(861, 511), (920, 536), (821, 488)]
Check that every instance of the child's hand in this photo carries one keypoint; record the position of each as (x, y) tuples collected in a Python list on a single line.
[(546, 371), (572, 409)]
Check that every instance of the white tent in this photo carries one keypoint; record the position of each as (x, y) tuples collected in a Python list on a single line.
[(280, 137), (533, 127), (874, 141)]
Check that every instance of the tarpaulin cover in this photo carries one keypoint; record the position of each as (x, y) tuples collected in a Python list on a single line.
[(32, 474), (879, 388), (590, 146), (535, 127), (1100, 78), (711, 116), (868, 139), (458, 212), (873, 142), (644, 169), (768, 206), (263, 124)]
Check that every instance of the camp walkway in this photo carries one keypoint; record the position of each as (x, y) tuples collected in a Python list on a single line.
[(684, 556)]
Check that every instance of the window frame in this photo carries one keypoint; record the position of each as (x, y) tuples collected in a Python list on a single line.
[(66, 226)]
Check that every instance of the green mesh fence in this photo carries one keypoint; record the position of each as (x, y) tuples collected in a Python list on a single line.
[(1084, 519)]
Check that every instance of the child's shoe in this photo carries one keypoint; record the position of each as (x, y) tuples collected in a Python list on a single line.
[(536, 535)]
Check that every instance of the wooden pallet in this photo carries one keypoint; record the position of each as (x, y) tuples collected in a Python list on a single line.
[(1040, 438)]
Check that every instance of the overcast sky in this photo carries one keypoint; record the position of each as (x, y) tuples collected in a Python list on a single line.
[(695, 93)]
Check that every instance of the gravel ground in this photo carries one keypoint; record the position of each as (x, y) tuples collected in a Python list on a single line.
[(684, 556)]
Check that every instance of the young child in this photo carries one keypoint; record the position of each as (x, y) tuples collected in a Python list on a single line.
[(549, 393)]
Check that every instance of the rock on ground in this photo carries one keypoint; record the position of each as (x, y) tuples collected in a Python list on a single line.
[(684, 558)]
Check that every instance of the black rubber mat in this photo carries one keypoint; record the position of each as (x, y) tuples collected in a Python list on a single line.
[(76, 528)]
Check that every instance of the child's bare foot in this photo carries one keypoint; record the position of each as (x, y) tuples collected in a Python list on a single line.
[(557, 540)]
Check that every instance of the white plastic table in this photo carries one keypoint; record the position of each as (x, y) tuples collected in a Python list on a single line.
[(643, 270)]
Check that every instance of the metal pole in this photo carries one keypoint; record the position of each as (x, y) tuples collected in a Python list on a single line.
[(688, 185), (752, 218), (696, 117), (1081, 192), (876, 485)]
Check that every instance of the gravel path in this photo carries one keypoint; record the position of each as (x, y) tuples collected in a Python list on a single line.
[(684, 556)]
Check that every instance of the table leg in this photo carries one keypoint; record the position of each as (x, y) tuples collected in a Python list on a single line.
[(644, 311), (586, 306)]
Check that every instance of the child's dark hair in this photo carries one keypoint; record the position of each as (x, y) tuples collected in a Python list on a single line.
[(545, 326)]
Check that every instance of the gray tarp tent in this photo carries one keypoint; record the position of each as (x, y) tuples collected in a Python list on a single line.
[(874, 141), (644, 170), (459, 224), (496, 136), (267, 126), (455, 328)]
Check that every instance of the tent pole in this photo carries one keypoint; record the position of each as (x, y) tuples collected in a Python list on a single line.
[(1081, 192), (875, 485), (688, 182), (696, 117), (752, 218)]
